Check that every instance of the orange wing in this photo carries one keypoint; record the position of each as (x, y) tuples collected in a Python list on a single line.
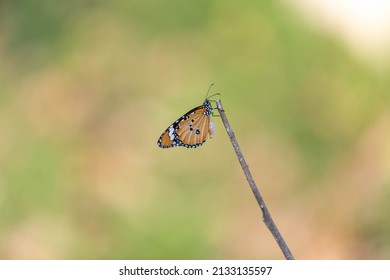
[(165, 140), (169, 137), (194, 128), (190, 130)]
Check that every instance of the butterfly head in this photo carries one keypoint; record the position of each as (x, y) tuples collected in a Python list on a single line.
[(208, 109), (206, 104)]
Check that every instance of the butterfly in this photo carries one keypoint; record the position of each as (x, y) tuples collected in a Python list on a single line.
[(191, 129)]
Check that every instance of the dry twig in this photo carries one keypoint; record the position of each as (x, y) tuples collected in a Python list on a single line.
[(267, 219)]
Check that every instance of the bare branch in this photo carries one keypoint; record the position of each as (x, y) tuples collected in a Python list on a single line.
[(267, 219)]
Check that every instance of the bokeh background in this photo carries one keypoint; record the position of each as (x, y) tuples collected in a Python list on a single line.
[(87, 87)]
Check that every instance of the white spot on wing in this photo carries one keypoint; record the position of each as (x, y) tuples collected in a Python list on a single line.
[(171, 132)]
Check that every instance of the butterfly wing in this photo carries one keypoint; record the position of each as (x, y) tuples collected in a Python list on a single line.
[(167, 139), (190, 130), (194, 128)]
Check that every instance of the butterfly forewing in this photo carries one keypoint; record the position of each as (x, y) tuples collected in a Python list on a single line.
[(166, 140)]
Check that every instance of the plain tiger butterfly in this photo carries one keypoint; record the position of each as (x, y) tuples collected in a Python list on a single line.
[(191, 129)]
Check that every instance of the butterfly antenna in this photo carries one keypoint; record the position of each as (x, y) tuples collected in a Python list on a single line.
[(207, 94), (213, 95)]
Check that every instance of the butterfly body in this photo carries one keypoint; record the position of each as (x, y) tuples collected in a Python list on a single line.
[(191, 129)]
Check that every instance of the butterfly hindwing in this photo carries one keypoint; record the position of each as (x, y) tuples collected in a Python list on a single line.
[(194, 128)]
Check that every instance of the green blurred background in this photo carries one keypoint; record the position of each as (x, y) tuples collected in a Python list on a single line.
[(87, 87)]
